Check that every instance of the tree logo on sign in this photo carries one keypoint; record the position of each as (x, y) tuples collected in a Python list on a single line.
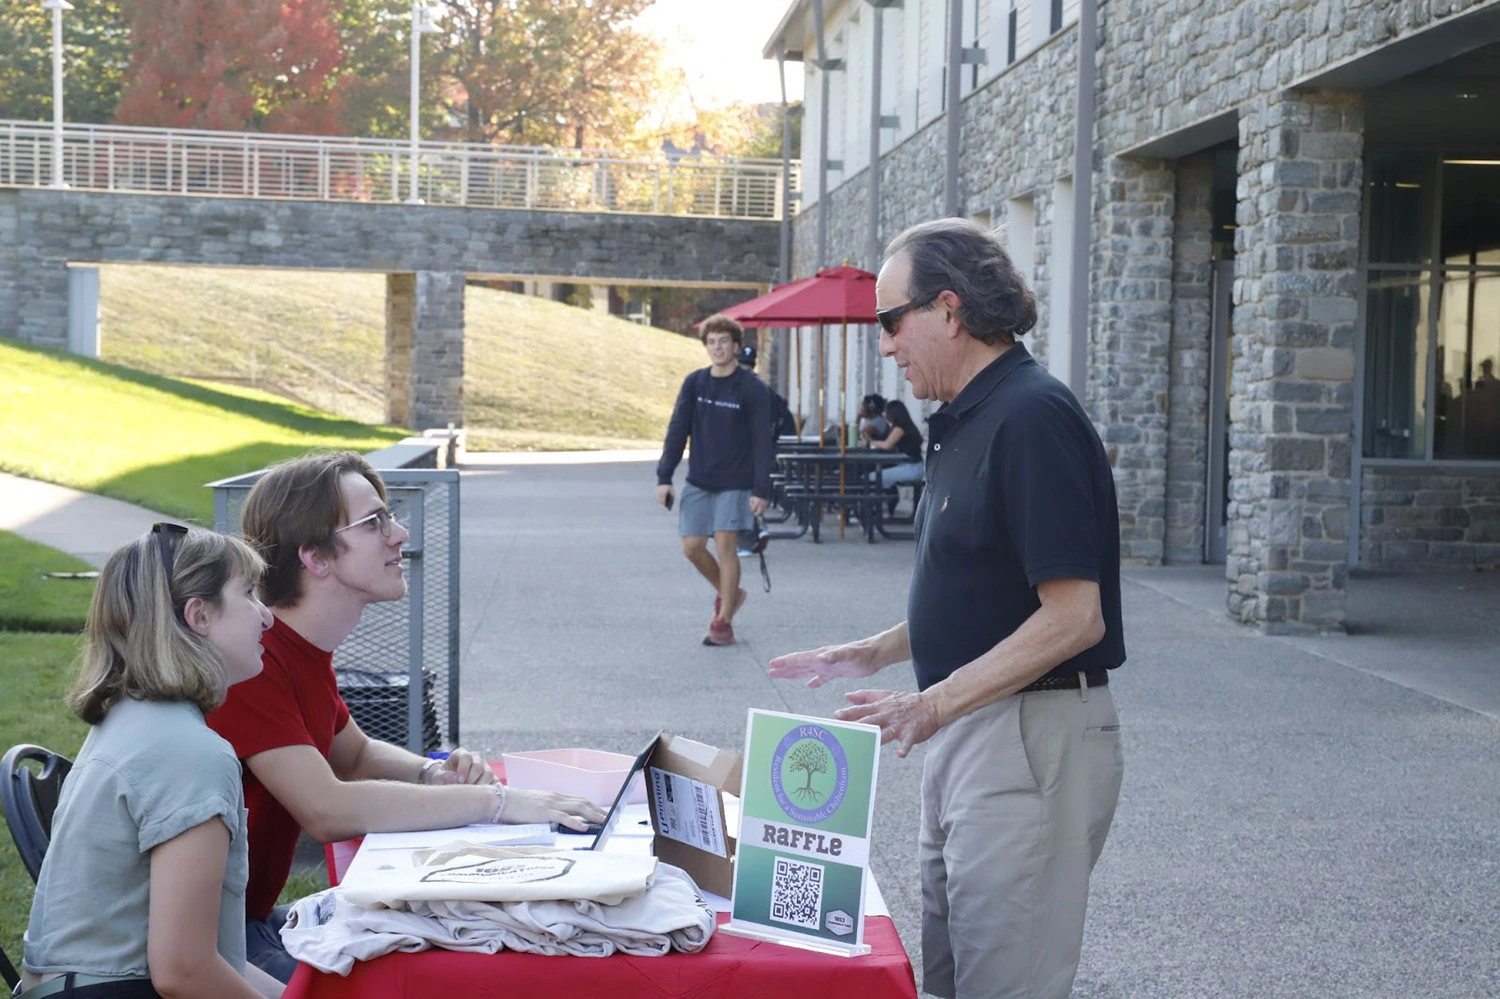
[(808, 757), (798, 768)]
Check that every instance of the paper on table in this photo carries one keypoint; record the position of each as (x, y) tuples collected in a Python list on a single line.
[(484, 833)]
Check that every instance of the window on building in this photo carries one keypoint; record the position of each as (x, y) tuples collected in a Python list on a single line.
[(1056, 19), (1020, 236), (1011, 26), (1432, 307)]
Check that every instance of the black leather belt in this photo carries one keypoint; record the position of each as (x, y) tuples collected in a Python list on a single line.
[(1067, 681)]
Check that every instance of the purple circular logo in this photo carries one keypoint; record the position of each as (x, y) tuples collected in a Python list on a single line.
[(809, 773)]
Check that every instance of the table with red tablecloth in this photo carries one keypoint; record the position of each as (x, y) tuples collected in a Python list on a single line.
[(730, 967)]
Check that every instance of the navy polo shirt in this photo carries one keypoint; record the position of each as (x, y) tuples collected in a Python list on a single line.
[(1019, 492)]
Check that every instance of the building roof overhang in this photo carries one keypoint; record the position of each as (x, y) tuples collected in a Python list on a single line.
[(789, 33)]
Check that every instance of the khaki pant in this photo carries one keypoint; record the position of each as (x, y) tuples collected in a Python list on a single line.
[(1017, 799)]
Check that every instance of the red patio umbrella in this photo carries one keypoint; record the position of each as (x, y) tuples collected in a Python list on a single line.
[(834, 295)]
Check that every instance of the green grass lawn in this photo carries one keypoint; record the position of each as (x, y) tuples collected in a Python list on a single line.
[(538, 375), (37, 670), (148, 439), (31, 601)]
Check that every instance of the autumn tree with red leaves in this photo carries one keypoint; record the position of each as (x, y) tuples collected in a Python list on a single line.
[(252, 65)]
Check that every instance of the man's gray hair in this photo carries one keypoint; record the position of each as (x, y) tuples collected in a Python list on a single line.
[(956, 255)]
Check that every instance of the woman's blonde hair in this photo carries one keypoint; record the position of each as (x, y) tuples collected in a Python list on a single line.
[(137, 643)]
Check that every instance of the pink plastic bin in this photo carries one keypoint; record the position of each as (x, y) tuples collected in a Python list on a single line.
[(588, 773)]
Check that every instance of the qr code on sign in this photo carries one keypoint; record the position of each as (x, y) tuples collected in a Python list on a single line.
[(797, 893)]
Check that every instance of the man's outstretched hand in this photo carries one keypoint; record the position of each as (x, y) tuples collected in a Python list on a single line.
[(830, 662), (904, 718)]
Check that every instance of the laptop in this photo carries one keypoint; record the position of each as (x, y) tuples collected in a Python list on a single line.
[(603, 830)]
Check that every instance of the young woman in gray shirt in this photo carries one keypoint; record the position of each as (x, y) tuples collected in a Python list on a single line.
[(141, 893)]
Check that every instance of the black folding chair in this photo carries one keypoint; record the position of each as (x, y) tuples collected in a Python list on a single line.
[(8, 970), (30, 798)]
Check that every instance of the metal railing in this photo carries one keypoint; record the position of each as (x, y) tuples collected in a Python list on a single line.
[(317, 168)]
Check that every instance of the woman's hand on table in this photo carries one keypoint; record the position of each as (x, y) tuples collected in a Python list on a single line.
[(464, 767), (523, 805)]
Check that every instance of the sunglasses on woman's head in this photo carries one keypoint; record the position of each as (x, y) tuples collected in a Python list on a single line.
[(166, 536)]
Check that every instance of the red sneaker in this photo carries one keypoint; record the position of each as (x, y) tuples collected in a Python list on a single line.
[(719, 632)]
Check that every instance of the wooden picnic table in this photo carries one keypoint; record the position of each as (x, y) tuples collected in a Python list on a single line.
[(811, 481)]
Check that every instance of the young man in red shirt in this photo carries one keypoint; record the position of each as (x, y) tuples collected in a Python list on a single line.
[(332, 547)]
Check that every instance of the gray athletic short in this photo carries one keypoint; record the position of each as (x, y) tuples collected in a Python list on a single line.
[(703, 512)]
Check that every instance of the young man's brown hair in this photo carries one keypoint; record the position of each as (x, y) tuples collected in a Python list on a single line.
[(298, 502), (721, 324)]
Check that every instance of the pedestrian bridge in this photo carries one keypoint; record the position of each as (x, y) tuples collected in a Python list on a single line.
[(140, 195)]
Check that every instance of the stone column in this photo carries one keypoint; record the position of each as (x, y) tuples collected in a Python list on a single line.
[(10, 277), (437, 356), (1130, 342), (400, 317), (1295, 313), (1187, 427), (424, 343), (599, 298)]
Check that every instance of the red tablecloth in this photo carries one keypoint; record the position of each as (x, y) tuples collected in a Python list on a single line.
[(729, 967)]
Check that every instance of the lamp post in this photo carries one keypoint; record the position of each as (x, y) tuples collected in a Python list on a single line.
[(421, 24), (57, 7)]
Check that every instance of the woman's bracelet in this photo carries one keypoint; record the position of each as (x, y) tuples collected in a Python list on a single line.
[(424, 775), (499, 790)]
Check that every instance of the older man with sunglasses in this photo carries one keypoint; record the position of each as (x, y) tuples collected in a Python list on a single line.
[(1013, 622), (332, 548)]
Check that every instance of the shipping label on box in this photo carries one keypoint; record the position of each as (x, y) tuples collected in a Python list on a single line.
[(686, 782)]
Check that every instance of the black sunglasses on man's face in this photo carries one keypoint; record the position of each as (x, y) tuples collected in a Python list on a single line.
[(890, 318)]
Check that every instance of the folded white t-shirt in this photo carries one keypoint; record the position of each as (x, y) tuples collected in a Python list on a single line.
[(471, 872), (330, 932)]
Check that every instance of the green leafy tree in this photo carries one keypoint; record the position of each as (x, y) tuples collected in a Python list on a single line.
[(96, 55), (376, 70), (545, 72)]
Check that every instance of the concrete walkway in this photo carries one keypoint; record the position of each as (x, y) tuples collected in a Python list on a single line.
[(78, 523), (1300, 817), (1309, 817)]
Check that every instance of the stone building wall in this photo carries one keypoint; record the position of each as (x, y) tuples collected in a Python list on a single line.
[(1129, 343), (1164, 65), (1427, 518), (1295, 310)]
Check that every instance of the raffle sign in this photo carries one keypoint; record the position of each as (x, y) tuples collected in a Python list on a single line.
[(807, 803)]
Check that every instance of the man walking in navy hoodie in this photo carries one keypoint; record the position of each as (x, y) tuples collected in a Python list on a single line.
[(726, 411)]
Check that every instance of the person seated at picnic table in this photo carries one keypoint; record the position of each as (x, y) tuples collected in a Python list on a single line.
[(141, 891), (906, 438), (873, 426)]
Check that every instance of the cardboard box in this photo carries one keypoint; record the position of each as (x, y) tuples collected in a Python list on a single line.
[(686, 782)]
